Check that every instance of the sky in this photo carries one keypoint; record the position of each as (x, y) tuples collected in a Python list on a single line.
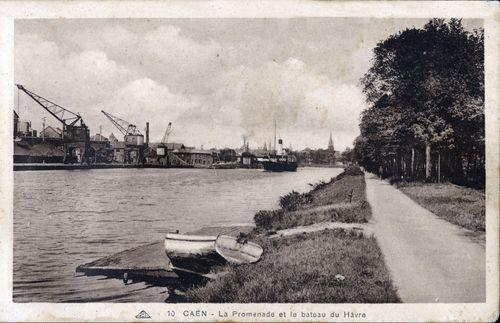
[(216, 80)]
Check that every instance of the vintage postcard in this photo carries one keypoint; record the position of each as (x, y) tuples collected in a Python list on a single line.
[(249, 161)]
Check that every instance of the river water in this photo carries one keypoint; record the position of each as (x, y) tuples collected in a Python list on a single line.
[(63, 219)]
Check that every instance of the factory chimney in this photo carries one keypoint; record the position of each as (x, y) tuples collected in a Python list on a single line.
[(147, 133)]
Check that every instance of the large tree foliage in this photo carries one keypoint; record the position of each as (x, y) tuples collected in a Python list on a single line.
[(425, 89)]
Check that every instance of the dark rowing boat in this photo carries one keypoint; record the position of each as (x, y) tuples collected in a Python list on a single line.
[(198, 255)]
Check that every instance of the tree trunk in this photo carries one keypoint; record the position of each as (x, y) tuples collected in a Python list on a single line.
[(399, 165), (403, 161), (458, 167), (439, 167), (474, 169), (467, 169), (427, 162), (412, 162)]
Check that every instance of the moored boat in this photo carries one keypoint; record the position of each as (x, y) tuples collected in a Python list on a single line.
[(197, 255), (238, 250), (280, 162)]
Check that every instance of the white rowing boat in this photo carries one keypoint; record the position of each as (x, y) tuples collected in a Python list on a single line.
[(194, 253)]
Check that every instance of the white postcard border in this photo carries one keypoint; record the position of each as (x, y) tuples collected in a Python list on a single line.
[(11, 10)]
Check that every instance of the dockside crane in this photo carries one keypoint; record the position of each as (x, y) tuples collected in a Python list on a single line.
[(126, 128), (72, 133), (166, 156), (167, 133), (162, 149), (132, 137)]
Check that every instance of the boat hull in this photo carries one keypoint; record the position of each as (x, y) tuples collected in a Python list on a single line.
[(278, 166), (236, 251), (196, 253)]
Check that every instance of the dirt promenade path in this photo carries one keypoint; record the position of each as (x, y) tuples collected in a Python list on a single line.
[(430, 260)]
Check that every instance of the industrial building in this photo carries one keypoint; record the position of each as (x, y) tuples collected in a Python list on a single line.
[(51, 132), (194, 157), (39, 153), (71, 143)]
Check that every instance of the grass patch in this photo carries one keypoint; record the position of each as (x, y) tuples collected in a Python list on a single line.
[(342, 199), (339, 190), (459, 205), (331, 266), (356, 212)]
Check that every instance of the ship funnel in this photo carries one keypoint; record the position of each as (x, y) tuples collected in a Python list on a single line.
[(280, 147)]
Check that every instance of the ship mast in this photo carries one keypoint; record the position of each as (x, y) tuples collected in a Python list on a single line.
[(275, 136)]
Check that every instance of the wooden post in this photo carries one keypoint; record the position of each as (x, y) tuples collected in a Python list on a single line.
[(427, 162)]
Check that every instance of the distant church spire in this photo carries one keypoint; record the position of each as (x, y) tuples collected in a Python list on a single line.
[(330, 142)]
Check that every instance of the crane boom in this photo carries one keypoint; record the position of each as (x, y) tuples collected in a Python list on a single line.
[(123, 126), (167, 133), (54, 109), (72, 134)]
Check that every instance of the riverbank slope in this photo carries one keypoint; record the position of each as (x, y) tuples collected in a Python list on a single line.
[(336, 265)]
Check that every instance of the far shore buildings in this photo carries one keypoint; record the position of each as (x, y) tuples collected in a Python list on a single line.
[(331, 151), (51, 132), (49, 147), (194, 157), (327, 156), (119, 152), (98, 137), (112, 139)]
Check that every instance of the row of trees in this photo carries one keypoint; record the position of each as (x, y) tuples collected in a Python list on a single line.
[(425, 91), (316, 157)]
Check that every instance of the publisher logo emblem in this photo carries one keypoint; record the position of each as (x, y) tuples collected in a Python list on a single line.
[(143, 315)]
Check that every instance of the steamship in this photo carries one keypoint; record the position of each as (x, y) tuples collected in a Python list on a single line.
[(280, 162)]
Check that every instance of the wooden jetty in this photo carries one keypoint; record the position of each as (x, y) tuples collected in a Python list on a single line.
[(149, 262)]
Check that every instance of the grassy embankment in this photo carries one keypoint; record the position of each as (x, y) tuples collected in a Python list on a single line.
[(456, 204), (327, 201), (330, 266)]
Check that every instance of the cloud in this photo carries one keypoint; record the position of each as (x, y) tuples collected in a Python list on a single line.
[(80, 77), (177, 60), (305, 104), (214, 85), (144, 100), (88, 81), (33, 59)]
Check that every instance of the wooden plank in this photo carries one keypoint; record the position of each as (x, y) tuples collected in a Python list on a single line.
[(146, 257)]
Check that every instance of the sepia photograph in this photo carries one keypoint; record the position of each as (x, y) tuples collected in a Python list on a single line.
[(249, 160)]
